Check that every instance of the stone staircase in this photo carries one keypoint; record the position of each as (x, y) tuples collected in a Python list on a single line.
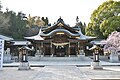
[(75, 58)]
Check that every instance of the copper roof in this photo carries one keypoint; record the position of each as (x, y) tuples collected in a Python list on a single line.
[(60, 26)]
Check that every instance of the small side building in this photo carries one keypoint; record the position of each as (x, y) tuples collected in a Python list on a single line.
[(7, 46)]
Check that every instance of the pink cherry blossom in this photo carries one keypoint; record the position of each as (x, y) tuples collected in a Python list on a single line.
[(113, 41)]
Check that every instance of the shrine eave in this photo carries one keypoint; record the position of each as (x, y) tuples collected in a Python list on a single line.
[(6, 38), (36, 37), (60, 30)]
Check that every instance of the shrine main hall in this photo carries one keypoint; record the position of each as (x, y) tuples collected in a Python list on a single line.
[(60, 40)]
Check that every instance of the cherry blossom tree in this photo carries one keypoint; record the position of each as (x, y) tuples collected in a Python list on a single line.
[(112, 42)]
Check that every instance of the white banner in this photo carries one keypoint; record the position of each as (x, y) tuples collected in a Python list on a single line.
[(1, 53)]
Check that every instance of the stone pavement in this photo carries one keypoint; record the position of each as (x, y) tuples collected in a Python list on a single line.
[(67, 61), (61, 69), (60, 73)]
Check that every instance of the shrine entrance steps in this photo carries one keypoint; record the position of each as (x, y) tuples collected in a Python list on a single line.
[(62, 59)]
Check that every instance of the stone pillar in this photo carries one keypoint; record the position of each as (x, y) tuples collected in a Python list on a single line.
[(7, 56), (37, 54), (82, 52), (114, 56), (118, 55), (38, 51)]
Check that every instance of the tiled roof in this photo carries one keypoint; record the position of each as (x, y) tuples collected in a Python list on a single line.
[(6, 38)]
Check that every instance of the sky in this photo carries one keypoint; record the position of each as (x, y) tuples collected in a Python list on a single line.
[(53, 9)]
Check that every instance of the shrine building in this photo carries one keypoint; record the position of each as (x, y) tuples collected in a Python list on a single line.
[(60, 40)]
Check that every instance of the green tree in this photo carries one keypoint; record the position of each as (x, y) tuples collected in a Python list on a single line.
[(104, 20), (82, 26), (38, 22), (35, 21), (33, 25), (17, 24), (30, 21), (45, 20), (4, 24)]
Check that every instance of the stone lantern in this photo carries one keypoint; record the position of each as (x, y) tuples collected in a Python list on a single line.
[(24, 55), (96, 54), (24, 64), (96, 63)]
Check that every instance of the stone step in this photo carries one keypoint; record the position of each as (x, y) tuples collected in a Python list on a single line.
[(79, 58), (106, 79)]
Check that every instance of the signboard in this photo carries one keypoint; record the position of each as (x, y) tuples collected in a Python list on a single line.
[(1, 53)]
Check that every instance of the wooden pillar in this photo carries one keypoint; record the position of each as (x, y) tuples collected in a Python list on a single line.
[(42, 50), (36, 46), (51, 49), (69, 49), (76, 48)]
